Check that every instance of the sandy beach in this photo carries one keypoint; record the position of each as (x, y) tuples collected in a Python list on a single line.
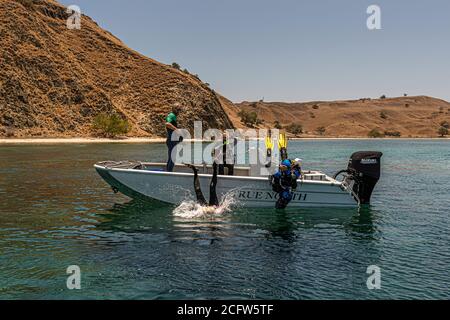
[(9, 141), (78, 140)]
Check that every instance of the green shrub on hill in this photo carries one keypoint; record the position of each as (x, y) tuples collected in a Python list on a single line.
[(321, 130), (392, 134), (442, 131), (294, 128), (445, 124), (250, 119), (375, 133), (277, 125), (111, 125)]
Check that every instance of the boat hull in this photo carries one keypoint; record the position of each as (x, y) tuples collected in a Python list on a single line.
[(251, 192)]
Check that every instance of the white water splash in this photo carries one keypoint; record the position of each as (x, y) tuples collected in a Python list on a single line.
[(190, 209)]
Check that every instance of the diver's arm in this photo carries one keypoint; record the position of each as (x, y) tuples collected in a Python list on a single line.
[(275, 178), (294, 181), (275, 182)]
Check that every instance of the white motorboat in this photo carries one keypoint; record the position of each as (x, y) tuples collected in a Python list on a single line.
[(315, 189)]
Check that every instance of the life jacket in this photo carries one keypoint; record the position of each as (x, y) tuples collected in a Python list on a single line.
[(283, 181)]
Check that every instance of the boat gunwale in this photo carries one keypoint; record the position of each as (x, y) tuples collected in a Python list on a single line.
[(207, 175)]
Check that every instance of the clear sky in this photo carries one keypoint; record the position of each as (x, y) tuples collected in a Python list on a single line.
[(291, 50)]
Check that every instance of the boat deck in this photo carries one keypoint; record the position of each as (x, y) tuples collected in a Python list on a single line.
[(310, 175), (151, 180)]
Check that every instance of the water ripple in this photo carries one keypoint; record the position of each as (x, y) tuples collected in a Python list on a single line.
[(56, 212)]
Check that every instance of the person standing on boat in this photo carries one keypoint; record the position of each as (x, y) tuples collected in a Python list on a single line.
[(171, 142), (228, 154)]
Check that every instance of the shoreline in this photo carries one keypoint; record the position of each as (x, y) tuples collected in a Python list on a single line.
[(4, 141), (21, 141)]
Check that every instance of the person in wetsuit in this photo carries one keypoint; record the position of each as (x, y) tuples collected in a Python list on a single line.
[(213, 199), (227, 154), (171, 142), (297, 167), (284, 182)]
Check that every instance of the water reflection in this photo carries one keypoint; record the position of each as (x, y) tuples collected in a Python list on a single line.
[(135, 216), (363, 225), (144, 217)]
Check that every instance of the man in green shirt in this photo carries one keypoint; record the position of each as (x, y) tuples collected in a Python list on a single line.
[(171, 126)]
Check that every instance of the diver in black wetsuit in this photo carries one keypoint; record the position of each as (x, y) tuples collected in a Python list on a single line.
[(213, 200), (284, 182)]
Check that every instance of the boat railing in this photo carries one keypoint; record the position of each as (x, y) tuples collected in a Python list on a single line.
[(349, 188), (121, 164)]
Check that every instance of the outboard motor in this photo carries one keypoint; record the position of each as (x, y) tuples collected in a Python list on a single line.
[(364, 169)]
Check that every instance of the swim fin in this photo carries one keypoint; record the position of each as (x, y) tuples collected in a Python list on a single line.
[(269, 144), (282, 146), (269, 148)]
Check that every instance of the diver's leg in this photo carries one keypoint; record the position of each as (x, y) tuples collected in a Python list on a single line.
[(284, 198), (280, 204), (213, 200), (198, 190), (230, 169), (170, 146), (169, 166)]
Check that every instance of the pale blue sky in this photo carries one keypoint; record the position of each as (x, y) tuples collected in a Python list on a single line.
[(291, 50)]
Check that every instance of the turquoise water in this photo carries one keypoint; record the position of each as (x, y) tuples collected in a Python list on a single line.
[(55, 212)]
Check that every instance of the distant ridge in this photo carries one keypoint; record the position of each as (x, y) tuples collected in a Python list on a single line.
[(419, 116)]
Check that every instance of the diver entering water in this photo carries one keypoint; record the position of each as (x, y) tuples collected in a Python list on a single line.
[(284, 182), (213, 199), (217, 153)]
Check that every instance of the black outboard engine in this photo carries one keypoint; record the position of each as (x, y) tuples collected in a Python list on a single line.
[(365, 166), (364, 169)]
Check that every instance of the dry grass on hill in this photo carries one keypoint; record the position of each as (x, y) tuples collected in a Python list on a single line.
[(410, 116)]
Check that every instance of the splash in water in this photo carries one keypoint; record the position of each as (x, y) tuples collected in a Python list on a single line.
[(190, 209)]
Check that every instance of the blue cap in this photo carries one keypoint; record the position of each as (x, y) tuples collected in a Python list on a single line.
[(286, 163)]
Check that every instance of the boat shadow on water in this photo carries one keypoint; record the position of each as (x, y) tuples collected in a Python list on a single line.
[(138, 216), (288, 225)]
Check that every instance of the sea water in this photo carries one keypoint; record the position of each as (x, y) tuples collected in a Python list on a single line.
[(56, 212)]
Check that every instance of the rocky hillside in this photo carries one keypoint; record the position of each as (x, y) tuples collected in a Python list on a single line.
[(409, 116), (54, 81)]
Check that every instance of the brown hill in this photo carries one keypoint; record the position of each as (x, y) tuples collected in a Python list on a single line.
[(410, 116), (53, 81)]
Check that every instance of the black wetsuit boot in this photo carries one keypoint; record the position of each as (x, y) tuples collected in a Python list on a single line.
[(213, 200)]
